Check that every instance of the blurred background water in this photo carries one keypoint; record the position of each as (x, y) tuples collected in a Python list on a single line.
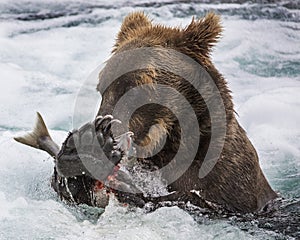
[(48, 48)]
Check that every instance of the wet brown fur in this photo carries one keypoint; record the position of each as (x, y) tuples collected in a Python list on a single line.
[(236, 181)]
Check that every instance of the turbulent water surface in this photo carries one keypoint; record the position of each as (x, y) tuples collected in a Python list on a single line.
[(49, 48)]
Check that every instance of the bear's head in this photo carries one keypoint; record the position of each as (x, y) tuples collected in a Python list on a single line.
[(151, 59)]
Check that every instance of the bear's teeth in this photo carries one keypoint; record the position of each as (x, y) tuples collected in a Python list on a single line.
[(124, 142)]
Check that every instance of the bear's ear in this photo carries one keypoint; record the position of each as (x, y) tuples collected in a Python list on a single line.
[(201, 35), (130, 25)]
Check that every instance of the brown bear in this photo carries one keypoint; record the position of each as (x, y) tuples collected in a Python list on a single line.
[(236, 180), (187, 145)]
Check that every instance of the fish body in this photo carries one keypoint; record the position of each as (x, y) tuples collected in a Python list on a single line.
[(73, 179)]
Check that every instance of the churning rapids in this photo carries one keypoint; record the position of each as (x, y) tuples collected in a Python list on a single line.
[(49, 48)]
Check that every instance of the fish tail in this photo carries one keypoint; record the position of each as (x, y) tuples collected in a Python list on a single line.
[(32, 138)]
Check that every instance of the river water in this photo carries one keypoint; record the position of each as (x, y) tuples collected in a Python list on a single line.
[(49, 48)]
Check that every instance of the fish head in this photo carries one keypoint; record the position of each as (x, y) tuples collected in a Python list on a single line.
[(90, 164)]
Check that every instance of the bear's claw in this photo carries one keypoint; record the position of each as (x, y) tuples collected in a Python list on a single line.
[(91, 150)]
